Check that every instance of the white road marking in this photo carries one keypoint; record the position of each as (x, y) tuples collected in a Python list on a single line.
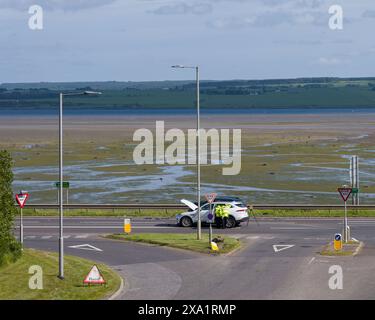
[(81, 236), (281, 247), (46, 237), (312, 260), (86, 247), (292, 228), (30, 237)]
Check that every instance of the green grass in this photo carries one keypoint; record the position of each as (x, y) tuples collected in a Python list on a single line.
[(169, 213), (348, 249), (132, 213), (14, 279), (180, 241), (313, 213)]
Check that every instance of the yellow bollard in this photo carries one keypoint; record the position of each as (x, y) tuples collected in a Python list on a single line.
[(127, 226), (337, 242)]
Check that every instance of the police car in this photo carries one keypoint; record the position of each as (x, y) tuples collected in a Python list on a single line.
[(238, 212)]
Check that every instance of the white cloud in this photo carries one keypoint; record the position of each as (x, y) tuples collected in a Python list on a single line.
[(184, 8), (329, 61), (54, 4)]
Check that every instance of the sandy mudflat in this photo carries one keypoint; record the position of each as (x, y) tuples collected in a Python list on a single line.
[(286, 158), (43, 129)]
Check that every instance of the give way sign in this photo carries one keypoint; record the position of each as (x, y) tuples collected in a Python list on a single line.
[(211, 197), (345, 193), (21, 199)]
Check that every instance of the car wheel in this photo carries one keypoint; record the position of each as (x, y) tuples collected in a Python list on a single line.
[(231, 222), (186, 222)]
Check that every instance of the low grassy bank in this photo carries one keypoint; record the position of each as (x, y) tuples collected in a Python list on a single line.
[(180, 241), (14, 279), (312, 213), (169, 213), (159, 213)]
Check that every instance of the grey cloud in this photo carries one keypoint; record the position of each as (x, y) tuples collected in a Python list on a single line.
[(68, 5), (184, 8), (270, 19), (368, 14)]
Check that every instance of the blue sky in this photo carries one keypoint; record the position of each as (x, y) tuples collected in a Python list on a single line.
[(135, 40)]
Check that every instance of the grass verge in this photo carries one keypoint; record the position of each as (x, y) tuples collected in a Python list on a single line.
[(180, 241), (14, 279), (348, 249), (169, 213)]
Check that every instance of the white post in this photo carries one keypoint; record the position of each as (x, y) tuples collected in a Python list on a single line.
[(199, 230), (21, 227), (61, 205), (345, 224)]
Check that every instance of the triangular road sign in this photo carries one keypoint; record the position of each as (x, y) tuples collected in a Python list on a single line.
[(281, 247), (86, 246), (345, 193), (211, 197), (21, 199), (94, 277)]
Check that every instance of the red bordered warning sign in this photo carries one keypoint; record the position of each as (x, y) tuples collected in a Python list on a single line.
[(345, 193), (21, 199), (94, 277), (211, 197)]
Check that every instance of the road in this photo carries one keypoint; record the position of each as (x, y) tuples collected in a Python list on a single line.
[(257, 271)]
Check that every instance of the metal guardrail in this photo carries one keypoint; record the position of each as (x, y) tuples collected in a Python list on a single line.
[(182, 206)]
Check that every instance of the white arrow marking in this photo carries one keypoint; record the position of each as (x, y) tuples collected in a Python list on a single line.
[(86, 247), (281, 247)]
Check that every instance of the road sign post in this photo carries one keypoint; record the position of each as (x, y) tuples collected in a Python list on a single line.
[(345, 192), (210, 198), (21, 199), (66, 185)]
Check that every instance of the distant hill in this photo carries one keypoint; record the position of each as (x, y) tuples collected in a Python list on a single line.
[(273, 93)]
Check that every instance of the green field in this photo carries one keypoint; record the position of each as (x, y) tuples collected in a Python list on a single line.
[(14, 279), (308, 92), (179, 241)]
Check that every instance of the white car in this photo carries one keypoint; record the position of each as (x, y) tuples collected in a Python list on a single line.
[(238, 212)]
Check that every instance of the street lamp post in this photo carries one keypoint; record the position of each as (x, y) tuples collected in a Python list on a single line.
[(199, 224), (61, 204)]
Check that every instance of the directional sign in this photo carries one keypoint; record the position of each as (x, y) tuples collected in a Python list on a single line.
[(281, 247), (210, 197), (66, 185), (337, 242), (86, 247), (21, 199), (94, 277), (345, 193)]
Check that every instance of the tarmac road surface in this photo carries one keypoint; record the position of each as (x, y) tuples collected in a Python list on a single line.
[(279, 258)]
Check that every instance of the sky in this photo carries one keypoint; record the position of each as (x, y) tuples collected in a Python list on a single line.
[(138, 40)]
